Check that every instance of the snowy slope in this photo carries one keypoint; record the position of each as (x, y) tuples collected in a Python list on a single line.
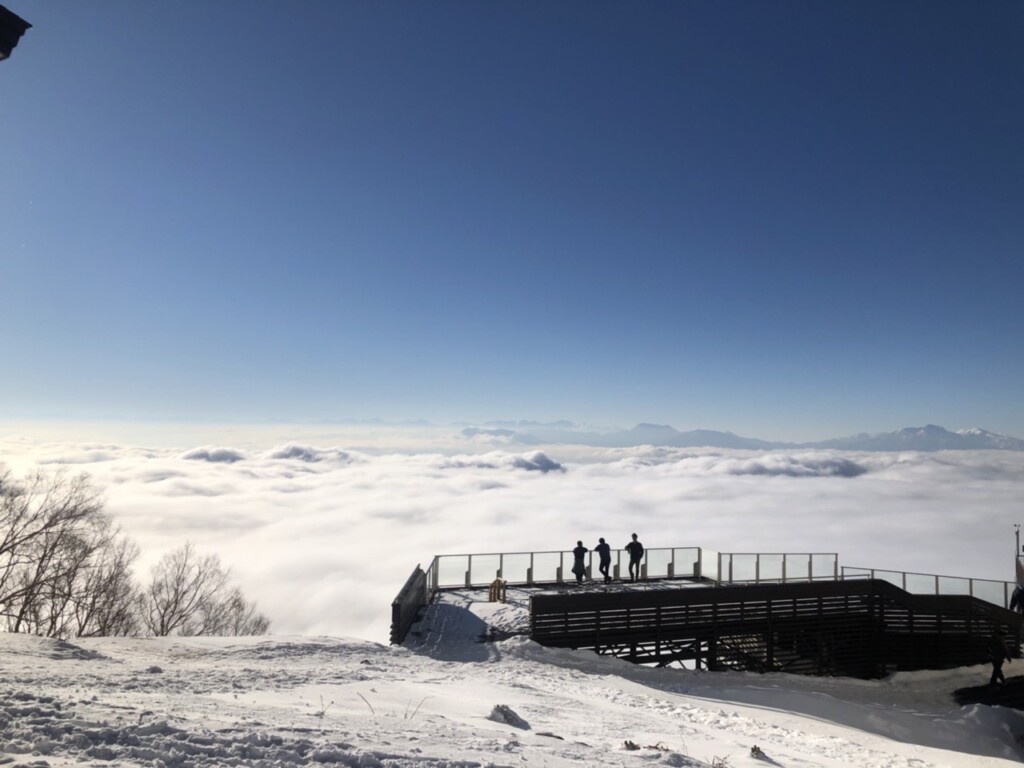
[(313, 700)]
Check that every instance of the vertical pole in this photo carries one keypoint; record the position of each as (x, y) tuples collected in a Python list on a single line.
[(469, 573), (529, 573), (757, 568), (501, 565), (1016, 554), (784, 559)]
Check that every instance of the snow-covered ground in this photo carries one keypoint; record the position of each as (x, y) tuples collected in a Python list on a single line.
[(448, 700)]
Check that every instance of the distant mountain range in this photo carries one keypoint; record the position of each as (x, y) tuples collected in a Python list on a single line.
[(927, 438)]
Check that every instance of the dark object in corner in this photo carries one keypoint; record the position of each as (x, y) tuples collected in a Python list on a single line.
[(12, 27)]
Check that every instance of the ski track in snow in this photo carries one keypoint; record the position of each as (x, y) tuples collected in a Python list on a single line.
[(298, 701)]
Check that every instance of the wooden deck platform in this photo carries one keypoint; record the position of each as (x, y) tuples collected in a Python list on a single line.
[(859, 628)]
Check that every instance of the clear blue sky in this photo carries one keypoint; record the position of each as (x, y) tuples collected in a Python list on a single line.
[(788, 219)]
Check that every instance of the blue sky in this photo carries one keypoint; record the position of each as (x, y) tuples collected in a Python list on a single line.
[(792, 220)]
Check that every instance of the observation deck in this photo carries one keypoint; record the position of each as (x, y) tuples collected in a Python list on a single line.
[(793, 612)]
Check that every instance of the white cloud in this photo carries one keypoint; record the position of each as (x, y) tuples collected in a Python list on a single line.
[(323, 538)]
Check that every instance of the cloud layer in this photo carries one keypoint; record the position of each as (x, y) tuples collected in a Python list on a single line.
[(323, 537)]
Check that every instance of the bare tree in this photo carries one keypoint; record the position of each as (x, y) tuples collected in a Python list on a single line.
[(66, 570), (233, 615), (51, 526), (108, 597), (191, 595)]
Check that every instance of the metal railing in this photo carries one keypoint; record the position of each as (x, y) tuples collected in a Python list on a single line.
[(553, 567), (691, 563), (989, 590), (776, 567)]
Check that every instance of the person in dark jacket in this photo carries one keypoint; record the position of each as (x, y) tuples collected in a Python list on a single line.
[(636, 554), (578, 566), (998, 653), (605, 553), (1017, 600)]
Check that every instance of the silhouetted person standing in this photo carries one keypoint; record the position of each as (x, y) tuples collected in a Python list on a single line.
[(997, 651), (636, 553), (578, 566), (605, 553)]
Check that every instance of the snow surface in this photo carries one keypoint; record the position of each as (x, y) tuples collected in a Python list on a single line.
[(448, 700)]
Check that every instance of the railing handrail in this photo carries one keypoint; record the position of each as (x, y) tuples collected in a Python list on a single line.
[(844, 568), (780, 554), (552, 552)]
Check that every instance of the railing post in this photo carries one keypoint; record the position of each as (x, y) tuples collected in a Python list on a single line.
[(501, 565), (469, 573), (529, 572), (757, 568), (835, 567), (904, 581), (785, 558), (936, 584), (700, 561)]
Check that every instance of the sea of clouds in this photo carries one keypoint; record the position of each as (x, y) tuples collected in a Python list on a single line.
[(324, 534)]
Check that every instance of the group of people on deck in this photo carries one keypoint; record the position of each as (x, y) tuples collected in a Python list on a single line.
[(604, 552)]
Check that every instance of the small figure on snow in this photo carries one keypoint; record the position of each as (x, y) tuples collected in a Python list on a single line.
[(998, 654), (605, 553), (636, 554), (578, 566)]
